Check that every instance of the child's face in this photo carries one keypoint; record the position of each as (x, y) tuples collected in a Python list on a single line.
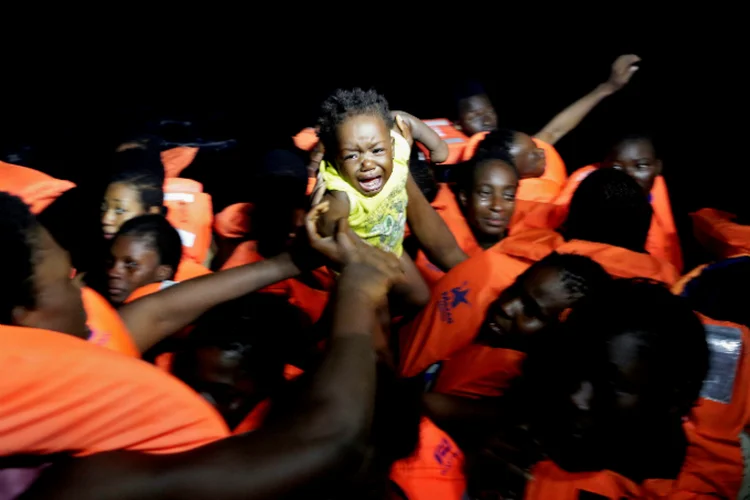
[(365, 155)]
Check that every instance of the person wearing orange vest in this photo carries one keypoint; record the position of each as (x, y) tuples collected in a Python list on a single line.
[(604, 403), (315, 447), (480, 214), (41, 291), (278, 215), (536, 300), (541, 180), (146, 250), (231, 360), (636, 155), (139, 186), (608, 220)]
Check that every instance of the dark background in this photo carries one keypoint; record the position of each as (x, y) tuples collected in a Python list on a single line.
[(64, 116)]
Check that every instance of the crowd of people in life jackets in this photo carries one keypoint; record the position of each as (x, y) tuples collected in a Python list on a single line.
[(410, 309)]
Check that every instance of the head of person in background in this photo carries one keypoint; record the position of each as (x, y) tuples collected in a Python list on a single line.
[(38, 289), (146, 249), (281, 201), (636, 155), (136, 188), (474, 109), (609, 207)]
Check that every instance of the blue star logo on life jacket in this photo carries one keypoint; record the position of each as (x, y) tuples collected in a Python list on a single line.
[(451, 299)]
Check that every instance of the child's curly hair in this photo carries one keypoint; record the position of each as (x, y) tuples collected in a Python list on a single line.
[(339, 106)]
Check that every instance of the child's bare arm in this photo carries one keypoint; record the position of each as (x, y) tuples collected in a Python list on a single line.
[(338, 208), (420, 132), (433, 234), (413, 290)]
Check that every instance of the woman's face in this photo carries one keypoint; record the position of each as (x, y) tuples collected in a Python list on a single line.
[(121, 203), (134, 263)]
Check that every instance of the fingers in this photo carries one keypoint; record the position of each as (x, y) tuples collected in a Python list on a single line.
[(311, 220), (346, 239)]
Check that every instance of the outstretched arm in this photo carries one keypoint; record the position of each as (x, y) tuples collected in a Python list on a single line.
[(430, 229), (569, 118), (421, 133), (320, 440)]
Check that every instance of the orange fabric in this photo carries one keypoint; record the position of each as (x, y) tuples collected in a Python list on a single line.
[(177, 159), (456, 310), (542, 189), (306, 139), (663, 240), (716, 232), (435, 471), (311, 301), (36, 189), (255, 418), (478, 371), (311, 182), (454, 138), (188, 270), (446, 205), (234, 221), (702, 476), (61, 394), (622, 263), (107, 328), (190, 211), (533, 245)]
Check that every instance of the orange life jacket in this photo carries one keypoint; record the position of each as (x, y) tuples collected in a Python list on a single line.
[(716, 231), (454, 138), (64, 395), (177, 159), (435, 471), (541, 189), (107, 328), (36, 189), (190, 211)]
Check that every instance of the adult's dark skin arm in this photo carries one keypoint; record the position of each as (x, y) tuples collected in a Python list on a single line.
[(321, 437), (159, 315)]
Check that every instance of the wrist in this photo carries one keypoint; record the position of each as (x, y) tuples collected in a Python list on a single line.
[(288, 263), (606, 89)]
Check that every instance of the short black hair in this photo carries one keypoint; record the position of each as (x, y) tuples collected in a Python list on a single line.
[(635, 137), (676, 349), (142, 170), (468, 171), (466, 89), (343, 104), (19, 231), (497, 144), (609, 207), (159, 234), (259, 327), (579, 274)]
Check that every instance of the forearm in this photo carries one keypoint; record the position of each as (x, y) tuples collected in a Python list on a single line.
[(430, 229), (570, 117), (157, 316), (425, 135)]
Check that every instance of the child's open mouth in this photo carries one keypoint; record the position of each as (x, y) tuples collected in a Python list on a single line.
[(371, 183)]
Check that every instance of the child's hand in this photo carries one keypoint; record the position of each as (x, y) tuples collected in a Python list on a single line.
[(404, 129), (339, 248)]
